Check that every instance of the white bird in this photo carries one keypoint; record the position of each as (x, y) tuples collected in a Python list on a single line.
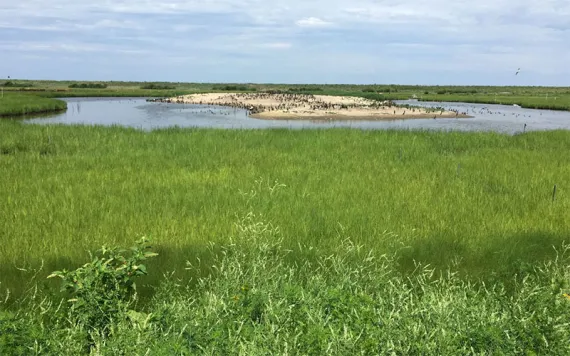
[(518, 70)]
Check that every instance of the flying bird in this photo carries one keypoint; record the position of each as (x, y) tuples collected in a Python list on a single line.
[(518, 70)]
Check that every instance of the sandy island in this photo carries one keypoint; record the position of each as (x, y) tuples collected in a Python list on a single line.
[(314, 107)]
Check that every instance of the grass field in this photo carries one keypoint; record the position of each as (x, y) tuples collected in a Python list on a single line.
[(17, 104), (254, 303), (481, 200), (286, 232), (305, 242)]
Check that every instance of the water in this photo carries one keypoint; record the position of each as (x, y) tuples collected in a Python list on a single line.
[(137, 113)]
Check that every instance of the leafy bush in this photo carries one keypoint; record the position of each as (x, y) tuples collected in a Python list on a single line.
[(101, 289)]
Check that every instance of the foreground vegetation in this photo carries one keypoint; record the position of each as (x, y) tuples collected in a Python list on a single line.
[(280, 241), (480, 201), (254, 303), (17, 104)]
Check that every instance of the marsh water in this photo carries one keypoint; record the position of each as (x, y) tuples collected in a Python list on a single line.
[(138, 113)]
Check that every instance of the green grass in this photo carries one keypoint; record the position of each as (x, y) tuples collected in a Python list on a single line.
[(66, 190), (555, 98), (254, 303), (535, 101), (18, 104), (297, 242)]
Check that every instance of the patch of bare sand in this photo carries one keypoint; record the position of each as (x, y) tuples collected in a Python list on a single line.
[(315, 107)]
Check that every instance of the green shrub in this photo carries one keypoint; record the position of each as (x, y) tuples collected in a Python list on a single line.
[(100, 290)]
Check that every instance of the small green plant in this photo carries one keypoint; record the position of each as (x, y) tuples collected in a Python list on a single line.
[(101, 289)]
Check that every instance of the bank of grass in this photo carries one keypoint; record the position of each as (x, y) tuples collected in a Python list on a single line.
[(19, 104), (480, 201), (552, 102), (345, 301), (555, 98)]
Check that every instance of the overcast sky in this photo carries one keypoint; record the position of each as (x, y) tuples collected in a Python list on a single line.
[(289, 41)]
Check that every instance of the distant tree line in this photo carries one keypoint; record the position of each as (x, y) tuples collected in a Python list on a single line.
[(379, 90), (158, 86), (305, 89), (233, 88), (88, 85), (12, 84), (452, 91)]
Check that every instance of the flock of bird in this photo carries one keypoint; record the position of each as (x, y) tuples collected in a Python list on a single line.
[(284, 102)]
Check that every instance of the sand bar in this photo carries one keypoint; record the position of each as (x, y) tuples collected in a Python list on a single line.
[(313, 107)]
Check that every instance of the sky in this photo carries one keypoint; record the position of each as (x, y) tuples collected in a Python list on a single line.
[(424, 42)]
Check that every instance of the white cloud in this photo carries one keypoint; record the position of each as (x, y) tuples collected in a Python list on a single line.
[(109, 23), (277, 45), (312, 22), (481, 36)]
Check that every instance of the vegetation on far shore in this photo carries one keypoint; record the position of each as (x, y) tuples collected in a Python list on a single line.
[(555, 98), (88, 85), (20, 104)]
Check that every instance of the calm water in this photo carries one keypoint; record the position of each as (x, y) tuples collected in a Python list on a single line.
[(136, 112)]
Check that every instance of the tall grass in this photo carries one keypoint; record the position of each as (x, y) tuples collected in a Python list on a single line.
[(481, 201), (345, 301), (17, 104)]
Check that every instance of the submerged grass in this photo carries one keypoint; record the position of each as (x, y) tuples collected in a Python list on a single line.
[(18, 104), (479, 201)]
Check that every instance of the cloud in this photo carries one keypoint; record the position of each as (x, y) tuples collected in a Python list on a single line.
[(312, 22), (319, 40), (277, 45)]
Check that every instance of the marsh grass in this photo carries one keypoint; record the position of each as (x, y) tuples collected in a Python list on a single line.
[(552, 102), (554, 98), (349, 300), (66, 190), (19, 104)]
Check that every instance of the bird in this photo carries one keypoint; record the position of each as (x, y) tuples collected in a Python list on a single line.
[(518, 70)]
